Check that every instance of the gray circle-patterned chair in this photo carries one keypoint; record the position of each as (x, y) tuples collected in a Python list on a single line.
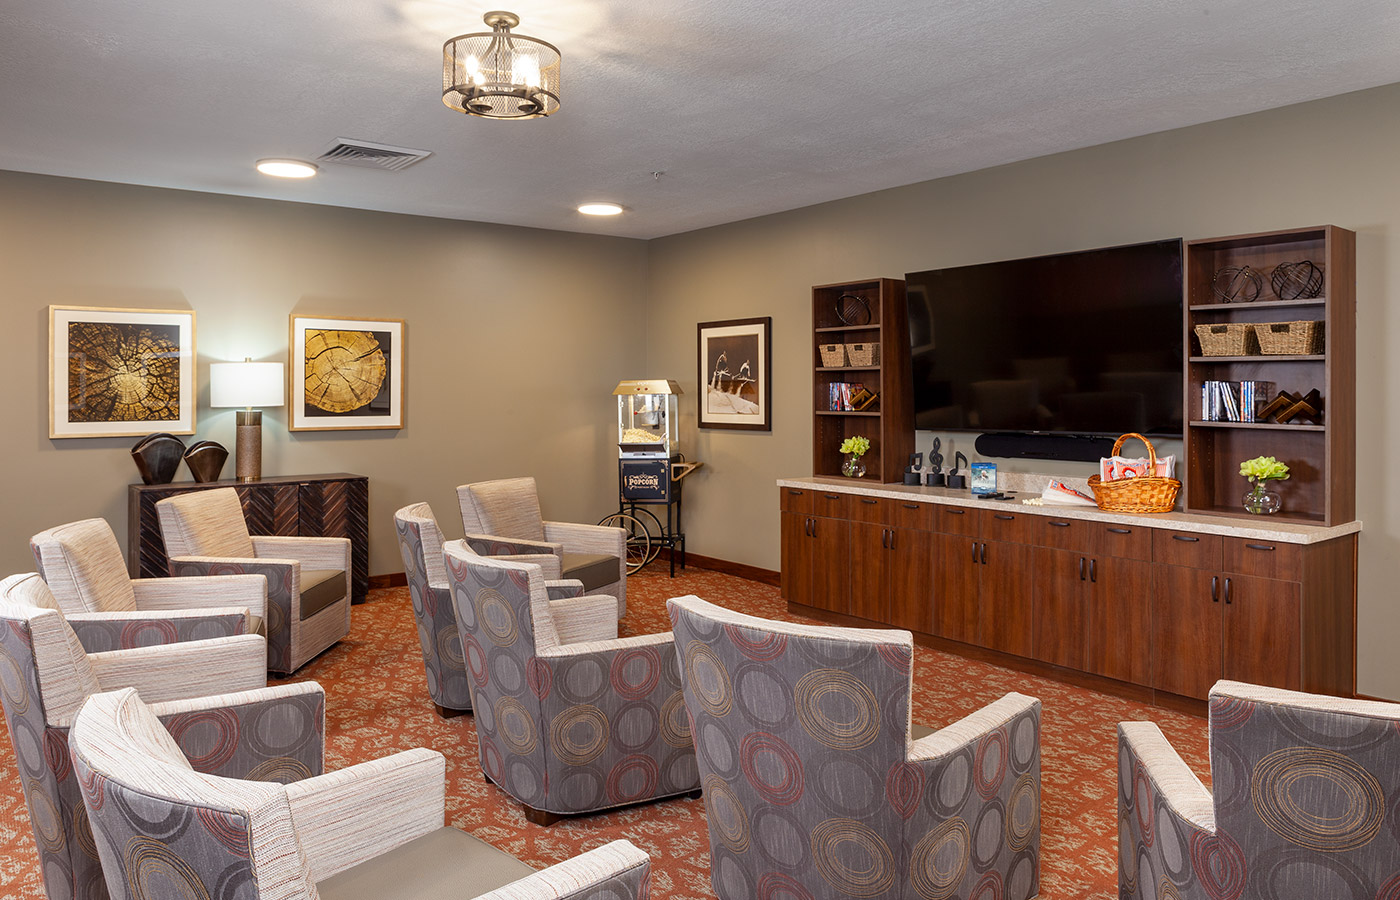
[(569, 717), (815, 786), (1305, 802), (420, 545)]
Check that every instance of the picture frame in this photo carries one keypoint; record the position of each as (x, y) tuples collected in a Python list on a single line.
[(118, 372), (355, 380), (735, 359)]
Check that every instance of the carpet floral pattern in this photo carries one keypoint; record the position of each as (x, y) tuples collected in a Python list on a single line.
[(377, 703)]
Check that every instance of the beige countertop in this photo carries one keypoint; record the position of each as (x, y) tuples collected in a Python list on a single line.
[(1261, 528)]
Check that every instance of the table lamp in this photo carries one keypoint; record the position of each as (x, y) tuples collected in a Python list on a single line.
[(247, 384)]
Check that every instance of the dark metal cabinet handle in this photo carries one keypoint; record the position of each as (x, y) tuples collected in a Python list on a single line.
[(1215, 588), (891, 534), (984, 553), (807, 527), (910, 505), (832, 496), (1120, 531), (974, 552), (1094, 571), (1227, 590), (1003, 518), (956, 512), (868, 500), (1053, 524), (1259, 546), (1081, 568), (1182, 537), (814, 528), (795, 493), (885, 538)]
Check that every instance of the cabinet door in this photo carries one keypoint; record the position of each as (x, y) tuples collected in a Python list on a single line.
[(796, 559), (1186, 630), (1119, 611), (1061, 577), (910, 565), (1006, 589), (1262, 640), (955, 588), (831, 564), (870, 571)]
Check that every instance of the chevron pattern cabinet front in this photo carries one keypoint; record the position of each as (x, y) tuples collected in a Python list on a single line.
[(308, 505)]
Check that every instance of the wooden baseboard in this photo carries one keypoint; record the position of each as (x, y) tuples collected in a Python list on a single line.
[(394, 579), (723, 566)]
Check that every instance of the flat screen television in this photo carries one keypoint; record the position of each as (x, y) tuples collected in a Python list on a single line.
[(1085, 343)]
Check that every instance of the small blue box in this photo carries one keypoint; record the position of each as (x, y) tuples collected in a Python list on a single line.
[(984, 478)]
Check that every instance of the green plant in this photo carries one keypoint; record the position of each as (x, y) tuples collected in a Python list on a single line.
[(1263, 468), (856, 445)]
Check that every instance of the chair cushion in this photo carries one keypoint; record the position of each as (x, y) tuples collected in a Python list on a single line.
[(257, 626), (509, 508), (917, 731), (446, 864), (319, 589), (595, 570)]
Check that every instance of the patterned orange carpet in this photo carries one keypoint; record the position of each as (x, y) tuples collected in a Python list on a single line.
[(377, 703)]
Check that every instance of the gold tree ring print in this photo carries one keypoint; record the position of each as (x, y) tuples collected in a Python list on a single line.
[(123, 373), (345, 370)]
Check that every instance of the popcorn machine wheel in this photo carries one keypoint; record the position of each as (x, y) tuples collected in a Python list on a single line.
[(649, 471)]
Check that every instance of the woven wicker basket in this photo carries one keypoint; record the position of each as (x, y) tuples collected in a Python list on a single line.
[(833, 355), (863, 354), (1289, 338), (1144, 494), (1228, 339)]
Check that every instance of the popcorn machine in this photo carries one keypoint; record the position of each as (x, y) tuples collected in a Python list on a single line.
[(649, 470)]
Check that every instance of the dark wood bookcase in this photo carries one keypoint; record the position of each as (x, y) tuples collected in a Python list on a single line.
[(889, 422), (1321, 456)]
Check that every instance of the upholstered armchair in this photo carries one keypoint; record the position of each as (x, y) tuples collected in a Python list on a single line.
[(503, 518), (569, 717), (815, 786), (46, 677), (109, 610), (374, 830), (1303, 804), (308, 578), (420, 544)]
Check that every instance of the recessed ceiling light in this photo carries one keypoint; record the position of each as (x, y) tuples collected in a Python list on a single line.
[(286, 168), (600, 209)]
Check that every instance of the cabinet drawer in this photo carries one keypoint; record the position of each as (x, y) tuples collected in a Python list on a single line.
[(1063, 534), (795, 500), (1181, 548), (1127, 541), (908, 514), (864, 509), (956, 520), (1007, 526), (1267, 559), (831, 504)]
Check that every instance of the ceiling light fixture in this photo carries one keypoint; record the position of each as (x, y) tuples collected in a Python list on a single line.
[(499, 75), (286, 168), (600, 209)]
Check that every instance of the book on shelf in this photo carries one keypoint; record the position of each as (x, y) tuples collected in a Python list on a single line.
[(1233, 401), (841, 395)]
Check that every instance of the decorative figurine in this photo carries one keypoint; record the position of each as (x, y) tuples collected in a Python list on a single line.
[(956, 479)]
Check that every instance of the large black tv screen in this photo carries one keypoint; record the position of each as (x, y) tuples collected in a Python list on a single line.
[(1079, 343)]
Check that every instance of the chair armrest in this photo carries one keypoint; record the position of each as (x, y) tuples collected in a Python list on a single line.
[(579, 620), (549, 557), (311, 552), (613, 645), (616, 869), (1143, 747), (971, 728), (200, 592), (579, 538), (558, 589), (184, 670), (98, 632), (283, 577), (346, 817), (219, 734)]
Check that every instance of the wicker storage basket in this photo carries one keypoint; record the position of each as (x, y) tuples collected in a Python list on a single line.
[(863, 354), (1144, 494), (1228, 339), (1289, 338), (833, 355)]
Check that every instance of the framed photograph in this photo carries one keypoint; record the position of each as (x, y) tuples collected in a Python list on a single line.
[(345, 374), (120, 372), (736, 374)]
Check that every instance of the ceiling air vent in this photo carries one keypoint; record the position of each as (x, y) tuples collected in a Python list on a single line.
[(371, 155)]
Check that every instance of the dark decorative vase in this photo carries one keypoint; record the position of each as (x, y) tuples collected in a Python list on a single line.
[(206, 460), (158, 457)]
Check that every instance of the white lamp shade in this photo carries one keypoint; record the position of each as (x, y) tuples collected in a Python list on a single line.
[(246, 384)]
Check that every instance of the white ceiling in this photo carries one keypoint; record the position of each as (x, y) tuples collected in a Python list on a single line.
[(748, 106)]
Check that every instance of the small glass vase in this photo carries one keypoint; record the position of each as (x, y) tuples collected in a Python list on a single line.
[(853, 467), (1262, 502)]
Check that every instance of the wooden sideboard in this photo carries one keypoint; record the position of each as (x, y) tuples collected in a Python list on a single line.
[(334, 505), (1150, 605)]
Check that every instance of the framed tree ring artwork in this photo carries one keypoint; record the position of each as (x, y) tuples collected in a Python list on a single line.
[(120, 372), (345, 374), (736, 374)]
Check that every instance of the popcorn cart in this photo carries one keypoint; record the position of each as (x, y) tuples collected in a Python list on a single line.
[(649, 470)]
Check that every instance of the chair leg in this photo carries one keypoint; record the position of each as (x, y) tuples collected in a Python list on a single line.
[(486, 778), (446, 713), (540, 817), (694, 795)]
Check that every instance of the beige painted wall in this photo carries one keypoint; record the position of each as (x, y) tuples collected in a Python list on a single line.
[(1331, 161), (515, 337)]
